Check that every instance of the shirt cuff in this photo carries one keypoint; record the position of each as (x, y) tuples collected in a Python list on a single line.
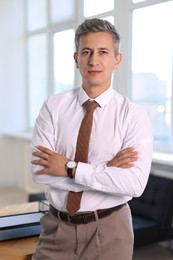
[(83, 173)]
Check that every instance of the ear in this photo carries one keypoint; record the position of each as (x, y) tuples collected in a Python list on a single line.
[(75, 58), (118, 60)]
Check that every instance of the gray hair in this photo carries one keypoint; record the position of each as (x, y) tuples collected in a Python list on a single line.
[(97, 25)]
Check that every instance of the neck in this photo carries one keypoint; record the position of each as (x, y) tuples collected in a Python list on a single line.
[(94, 92)]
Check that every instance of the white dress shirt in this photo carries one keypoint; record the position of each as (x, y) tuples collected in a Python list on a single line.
[(117, 124)]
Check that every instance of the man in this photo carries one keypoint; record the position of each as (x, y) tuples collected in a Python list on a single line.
[(118, 157)]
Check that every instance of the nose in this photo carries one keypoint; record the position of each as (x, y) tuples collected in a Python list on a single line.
[(93, 59)]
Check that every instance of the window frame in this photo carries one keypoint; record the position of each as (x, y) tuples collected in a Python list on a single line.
[(135, 6), (122, 81)]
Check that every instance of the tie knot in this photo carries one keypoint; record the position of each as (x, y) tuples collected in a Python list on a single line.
[(90, 105)]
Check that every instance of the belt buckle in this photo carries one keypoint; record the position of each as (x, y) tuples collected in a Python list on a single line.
[(69, 219)]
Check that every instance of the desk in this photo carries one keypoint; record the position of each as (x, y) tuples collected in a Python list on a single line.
[(18, 249)]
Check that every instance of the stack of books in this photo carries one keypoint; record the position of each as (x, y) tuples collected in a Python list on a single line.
[(22, 225)]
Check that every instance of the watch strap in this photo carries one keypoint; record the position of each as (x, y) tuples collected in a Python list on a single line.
[(69, 172)]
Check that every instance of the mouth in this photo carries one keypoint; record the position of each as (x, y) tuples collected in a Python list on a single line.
[(94, 72)]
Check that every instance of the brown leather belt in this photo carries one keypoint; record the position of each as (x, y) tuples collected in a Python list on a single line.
[(84, 218)]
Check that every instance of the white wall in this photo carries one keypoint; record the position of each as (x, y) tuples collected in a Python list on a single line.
[(12, 81), (15, 162), (14, 152), (12, 66)]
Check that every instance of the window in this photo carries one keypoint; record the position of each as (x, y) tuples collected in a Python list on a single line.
[(145, 74), (97, 7), (37, 73), (36, 14), (152, 42), (63, 60), (61, 12), (50, 29)]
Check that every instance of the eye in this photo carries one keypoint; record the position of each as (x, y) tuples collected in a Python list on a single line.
[(86, 52), (103, 52)]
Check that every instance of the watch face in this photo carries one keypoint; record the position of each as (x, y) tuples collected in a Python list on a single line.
[(71, 164)]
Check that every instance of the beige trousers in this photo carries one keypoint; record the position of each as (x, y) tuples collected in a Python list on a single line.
[(110, 238)]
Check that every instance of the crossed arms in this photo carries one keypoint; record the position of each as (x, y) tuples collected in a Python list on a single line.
[(54, 163)]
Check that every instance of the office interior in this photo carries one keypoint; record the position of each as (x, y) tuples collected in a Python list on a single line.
[(16, 123)]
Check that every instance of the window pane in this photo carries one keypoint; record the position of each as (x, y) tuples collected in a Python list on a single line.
[(152, 67), (61, 12), (109, 19), (36, 14), (97, 6), (63, 60), (37, 74)]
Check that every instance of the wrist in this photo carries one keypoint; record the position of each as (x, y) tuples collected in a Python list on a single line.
[(71, 169)]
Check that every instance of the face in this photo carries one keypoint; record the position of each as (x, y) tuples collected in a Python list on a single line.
[(96, 61)]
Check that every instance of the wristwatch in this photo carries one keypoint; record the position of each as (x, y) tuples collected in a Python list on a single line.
[(70, 166)]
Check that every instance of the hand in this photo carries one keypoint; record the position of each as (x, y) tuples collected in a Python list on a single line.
[(124, 159), (53, 163)]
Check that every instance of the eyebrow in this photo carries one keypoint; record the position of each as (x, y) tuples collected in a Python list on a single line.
[(102, 49)]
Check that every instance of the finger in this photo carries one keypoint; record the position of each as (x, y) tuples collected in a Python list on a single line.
[(44, 149), (126, 154), (40, 162), (122, 161), (126, 165), (127, 160), (127, 150), (41, 155), (41, 172)]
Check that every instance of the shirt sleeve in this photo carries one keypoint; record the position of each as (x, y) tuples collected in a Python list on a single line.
[(44, 134), (130, 182)]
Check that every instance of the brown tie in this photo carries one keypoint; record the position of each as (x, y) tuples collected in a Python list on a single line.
[(74, 198)]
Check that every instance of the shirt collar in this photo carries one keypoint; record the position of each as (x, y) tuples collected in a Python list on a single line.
[(102, 99)]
